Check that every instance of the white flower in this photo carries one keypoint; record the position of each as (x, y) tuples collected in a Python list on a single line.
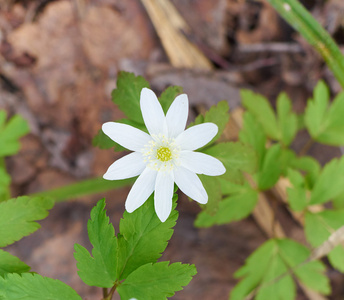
[(164, 156)]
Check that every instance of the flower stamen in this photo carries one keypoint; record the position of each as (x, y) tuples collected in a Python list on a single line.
[(164, 154)]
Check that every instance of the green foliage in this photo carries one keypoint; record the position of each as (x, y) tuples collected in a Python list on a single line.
[(266, 272), (213, 187), (98, 270), (297, 195), (318, 228), (5, 181), (11, 264), (132, 255), (329, 183), (287, 120), (127, 95), (33, 287), (143, 237), (18, 216), (10, 133), (282, 127), (167, 96), (236, 157), (325, 122), (239, 203), (216, 114), (270, 170), (156, 281)]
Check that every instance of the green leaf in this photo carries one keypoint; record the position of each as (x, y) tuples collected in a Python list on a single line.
[(270, 268), (11, 264), (287, 120), (270, 170), (102, 141), (127, 95), (311, 273), (156, 281), (143, 237), (297, 195), (316, 109), (167, 96), (236, 158), (213, 187), (235, 207), (329, 183), (10, 133), (325, 122), (33, 287), (260, 107), (99, 270), (252, 134), (319, 227), (309, 165), (218, 115), (18, 216), (5, 181)]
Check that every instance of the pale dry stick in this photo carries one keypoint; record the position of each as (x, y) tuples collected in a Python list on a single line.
[(263, 213), (170, 26)]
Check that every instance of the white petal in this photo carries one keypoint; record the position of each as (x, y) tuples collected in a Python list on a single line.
[(152, 112), (196, 136), (201, 163), (177, 115), (163, 194), (127, 136), (128, 166), (189, 183), (141, 190)]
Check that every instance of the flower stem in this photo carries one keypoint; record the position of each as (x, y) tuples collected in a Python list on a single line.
[(83, 188)]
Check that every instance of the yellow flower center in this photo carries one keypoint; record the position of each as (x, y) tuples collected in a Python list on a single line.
[(164, 154)]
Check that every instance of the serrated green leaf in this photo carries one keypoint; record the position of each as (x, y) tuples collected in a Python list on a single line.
[(325, 122), (236, 157), (5, 181), (316, 109), (319, 227), (270, 170), (213, 187), (287, 120), (143, 237), (99, 270), (268, 269), (260, 107), (237, 206), (252, 134), (311, 273), (156, 281), (308, 164), (11, 264), (10, 133), (127, 95), (329, 183), (297, 195), (33, 287), (217, 114), (18, 216), (167, 96)]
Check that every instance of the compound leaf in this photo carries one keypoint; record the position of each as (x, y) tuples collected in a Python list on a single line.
[(156, 281), (99, 270), (18, 216)]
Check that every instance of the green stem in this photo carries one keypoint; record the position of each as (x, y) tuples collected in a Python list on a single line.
[(303, 22), (83, 188)]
